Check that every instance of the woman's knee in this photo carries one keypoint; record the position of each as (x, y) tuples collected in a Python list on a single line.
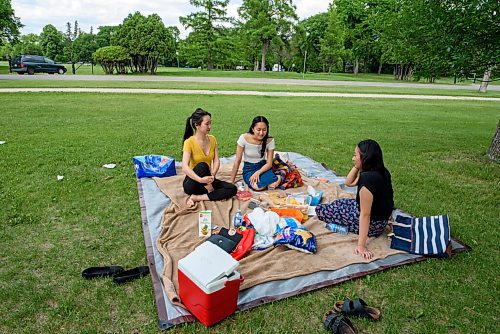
[(202, 169)]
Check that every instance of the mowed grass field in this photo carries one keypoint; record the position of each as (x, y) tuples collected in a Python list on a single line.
[(51, 230)]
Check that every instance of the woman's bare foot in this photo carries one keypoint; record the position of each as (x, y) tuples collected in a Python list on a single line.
[(189, 202), (274, 185)]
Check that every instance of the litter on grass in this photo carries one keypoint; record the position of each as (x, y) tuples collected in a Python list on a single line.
[(109, 166), (60, 177), (2, 142)]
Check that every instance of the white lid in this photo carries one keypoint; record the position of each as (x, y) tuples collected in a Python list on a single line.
[(207, 264)]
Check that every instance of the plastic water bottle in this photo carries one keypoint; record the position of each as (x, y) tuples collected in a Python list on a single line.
[(237, 219), (344, 230)]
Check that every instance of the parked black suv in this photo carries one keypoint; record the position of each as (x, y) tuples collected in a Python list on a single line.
[(36, 64)]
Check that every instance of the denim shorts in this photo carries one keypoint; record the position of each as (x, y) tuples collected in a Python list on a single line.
[(265, 178)]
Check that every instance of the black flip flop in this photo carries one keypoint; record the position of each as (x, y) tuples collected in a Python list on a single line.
[(338, 324), (131, 274), (94, 272), (357, 307)]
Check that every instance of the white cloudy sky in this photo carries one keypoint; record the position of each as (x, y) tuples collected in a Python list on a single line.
[(35, 14)]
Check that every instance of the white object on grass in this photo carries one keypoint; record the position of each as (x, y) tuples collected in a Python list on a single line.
[(60, 177), (110, 166), (2, 142)]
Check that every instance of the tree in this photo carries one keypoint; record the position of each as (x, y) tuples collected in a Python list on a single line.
[(113, 58), (9, 23), (105, 35), (494, 151), (84, 46), (27, 45), (146, 38), (265, 20), (52, 42), (69, 38), (332, 43), (207, 26)]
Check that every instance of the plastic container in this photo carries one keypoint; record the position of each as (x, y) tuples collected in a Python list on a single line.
[(298, 201), (344, 230), (208, 283), (293, 213), (237, 219)]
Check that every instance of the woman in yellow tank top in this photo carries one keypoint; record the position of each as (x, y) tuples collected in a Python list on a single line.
[(200, 162)]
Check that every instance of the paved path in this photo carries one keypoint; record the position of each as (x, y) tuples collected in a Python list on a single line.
[(232, 92), (152, 78)]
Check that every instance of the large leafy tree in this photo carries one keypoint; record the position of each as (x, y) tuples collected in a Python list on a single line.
[(52, 42), (332, 43), (146, 38), (266, 20), (308, 36), (207, 27), (105, 35), (9, 23), (28, 45), (84, 46)]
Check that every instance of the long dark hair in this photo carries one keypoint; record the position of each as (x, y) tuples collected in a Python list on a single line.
[(192, 121), (256, 120), (372, 158)]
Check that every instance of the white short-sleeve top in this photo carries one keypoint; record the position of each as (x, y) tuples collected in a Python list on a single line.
[(251, 152)]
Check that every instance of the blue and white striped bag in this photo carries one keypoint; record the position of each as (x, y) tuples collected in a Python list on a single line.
[(429, 236)]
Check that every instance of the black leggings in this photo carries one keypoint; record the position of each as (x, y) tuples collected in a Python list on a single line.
[(222, 190)]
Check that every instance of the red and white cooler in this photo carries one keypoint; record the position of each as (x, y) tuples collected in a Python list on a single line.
[(209, 283)]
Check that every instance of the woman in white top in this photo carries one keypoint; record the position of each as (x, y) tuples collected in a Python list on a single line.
[(256, 149)]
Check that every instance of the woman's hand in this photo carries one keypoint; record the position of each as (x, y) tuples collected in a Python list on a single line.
[(364, 252), (207, 179), (254, 179)]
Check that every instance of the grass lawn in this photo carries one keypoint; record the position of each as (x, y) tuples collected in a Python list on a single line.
[(194, 72), (51, 230)]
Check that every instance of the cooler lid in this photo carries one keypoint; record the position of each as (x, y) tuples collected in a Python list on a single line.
[(207, 264)]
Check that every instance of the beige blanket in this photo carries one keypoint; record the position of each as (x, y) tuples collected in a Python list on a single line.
[(179, 237)]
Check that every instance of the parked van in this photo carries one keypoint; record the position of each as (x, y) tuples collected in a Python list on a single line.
[(278, 68), (32, 64)]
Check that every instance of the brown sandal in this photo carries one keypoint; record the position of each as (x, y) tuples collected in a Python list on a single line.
[(338, 324), (357, 307)]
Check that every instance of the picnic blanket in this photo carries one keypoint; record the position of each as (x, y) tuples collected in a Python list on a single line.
[(161, 217)]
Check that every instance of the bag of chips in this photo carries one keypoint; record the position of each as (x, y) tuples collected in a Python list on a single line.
[(296, 238)]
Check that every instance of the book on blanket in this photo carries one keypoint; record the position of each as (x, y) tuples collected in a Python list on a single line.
[(208, 265)]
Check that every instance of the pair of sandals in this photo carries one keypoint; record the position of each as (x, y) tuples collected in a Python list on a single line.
[(336, 320), (119, 274)]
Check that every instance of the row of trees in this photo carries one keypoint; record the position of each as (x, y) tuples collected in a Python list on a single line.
[(412, 38)]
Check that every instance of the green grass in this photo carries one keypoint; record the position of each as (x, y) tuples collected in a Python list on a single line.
[(51, 230), (194, 72), (239, 87)]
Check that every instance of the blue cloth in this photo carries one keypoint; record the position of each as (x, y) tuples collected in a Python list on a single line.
[(265, 178)]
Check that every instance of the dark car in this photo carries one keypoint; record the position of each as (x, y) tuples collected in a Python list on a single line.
[(36, 64)]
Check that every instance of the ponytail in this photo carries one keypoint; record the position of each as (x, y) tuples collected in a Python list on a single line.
[(189, 131)]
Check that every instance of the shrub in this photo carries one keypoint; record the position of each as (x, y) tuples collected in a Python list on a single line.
[(113, 58)]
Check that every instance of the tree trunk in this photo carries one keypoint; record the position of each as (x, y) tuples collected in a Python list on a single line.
[(486, 79), (73, 67), (494, 151), (210, 65), (256, 65), (379, 68), (265, 45), (356, 66)]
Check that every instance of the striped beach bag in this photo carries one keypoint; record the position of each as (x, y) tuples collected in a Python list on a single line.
[(429, 236)]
